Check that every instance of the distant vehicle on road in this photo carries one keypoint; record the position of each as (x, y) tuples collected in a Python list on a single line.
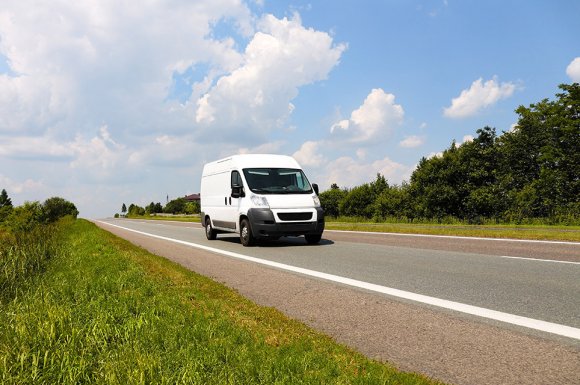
[(259, 196)]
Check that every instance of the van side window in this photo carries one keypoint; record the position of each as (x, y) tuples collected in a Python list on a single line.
[(236, 179)]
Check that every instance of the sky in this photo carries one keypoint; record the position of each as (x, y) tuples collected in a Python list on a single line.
[(105, 102)]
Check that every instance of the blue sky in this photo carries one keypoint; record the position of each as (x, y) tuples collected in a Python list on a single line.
[(105, 103)]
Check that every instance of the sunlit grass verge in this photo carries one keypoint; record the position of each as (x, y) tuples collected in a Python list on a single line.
[(535, 232), (105, 311), (24, 254)]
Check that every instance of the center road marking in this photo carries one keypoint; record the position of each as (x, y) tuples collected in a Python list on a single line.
[(530, 323)]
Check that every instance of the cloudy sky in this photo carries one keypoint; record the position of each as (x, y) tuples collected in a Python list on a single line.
[(106, 102)]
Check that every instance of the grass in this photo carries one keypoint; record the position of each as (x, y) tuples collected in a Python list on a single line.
[(105, 311), (534, 232), (23, 255), (513, 231)]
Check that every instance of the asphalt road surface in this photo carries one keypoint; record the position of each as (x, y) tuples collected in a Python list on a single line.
[(462, 310)]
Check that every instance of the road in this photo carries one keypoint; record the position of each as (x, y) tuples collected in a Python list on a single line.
[(463, 310)]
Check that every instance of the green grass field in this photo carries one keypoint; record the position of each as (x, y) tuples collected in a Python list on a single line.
[(101, 310), (536, 232)]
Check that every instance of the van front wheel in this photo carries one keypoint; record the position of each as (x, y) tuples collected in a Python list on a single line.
[(313, 239), (246, 236), (210, 233)]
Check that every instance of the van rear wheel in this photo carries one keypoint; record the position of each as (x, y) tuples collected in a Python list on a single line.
[(246, 236), (210, 233)]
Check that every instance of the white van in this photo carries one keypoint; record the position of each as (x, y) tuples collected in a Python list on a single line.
[(259, 196)]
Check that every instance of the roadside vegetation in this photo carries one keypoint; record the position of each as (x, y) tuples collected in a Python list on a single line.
[(28, 240), (176, 207), (533, 232), (102, 310), (526, 176)]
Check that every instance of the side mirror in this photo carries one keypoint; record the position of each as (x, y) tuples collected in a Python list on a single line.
[(238, 191), (315, 188)]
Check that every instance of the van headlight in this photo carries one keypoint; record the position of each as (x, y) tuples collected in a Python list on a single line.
[(316, 201), (259, 201)]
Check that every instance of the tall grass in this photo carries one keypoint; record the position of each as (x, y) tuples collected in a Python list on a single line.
[(24, 254), (105, 311)]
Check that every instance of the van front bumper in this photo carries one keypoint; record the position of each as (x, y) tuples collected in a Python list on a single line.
[(264, 224)]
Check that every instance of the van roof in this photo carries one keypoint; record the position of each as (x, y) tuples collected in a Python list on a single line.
[(252, 161)]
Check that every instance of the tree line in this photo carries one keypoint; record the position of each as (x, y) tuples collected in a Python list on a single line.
[(527, 173), (175, 206), (31, 214)]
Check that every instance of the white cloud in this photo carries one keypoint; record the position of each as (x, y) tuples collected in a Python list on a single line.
[(467, 139), (340, 125), (412, 141), (99, 156), (16, 187), (435, 155), (34, 148), (264, 148), (573, 70), (73, 66), (256, 97), (375, 119), (309, 154), (479, 96), (348, 172)]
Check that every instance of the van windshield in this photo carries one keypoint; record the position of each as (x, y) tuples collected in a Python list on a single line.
[(277, 181)]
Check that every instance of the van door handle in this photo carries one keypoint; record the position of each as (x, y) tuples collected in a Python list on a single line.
[(230, 201), (225, 201)]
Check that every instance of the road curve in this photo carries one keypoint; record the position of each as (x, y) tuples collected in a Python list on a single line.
[(447, 345)]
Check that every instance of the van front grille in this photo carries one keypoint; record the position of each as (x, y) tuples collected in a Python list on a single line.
[(295, 216)]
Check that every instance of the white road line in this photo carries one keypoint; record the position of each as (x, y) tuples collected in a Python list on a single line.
[(539, 260), (548, 327), (456, 237)]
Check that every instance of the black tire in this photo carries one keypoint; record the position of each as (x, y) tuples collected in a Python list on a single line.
[(313, 239), (210, 233), (246, 236)]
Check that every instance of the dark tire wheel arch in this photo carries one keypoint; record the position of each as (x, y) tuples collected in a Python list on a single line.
[(246, 236), (210, 233), (313, 239)]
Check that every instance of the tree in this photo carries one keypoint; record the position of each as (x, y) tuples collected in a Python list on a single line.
[(55, 208), (123, 209), (135, 210), (358, 202), (5, 205), (391, 203), (26, 217), (191, 207), (330, 200), (5, 201), (150, 209), (379, 185), (175, 206), (438, 185), (480, 160), (540, 156)]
